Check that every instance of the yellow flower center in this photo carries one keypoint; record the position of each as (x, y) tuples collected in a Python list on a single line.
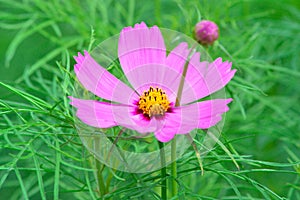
[(154, 102)]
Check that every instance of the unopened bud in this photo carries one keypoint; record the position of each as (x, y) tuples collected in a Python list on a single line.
[(206, 32)]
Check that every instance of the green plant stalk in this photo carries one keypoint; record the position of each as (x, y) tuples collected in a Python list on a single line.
[(99, 176), (100, 179), (173, 145), (174, 168), (163, 171)]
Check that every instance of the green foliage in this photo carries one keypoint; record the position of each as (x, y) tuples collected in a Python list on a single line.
[(42, 156)]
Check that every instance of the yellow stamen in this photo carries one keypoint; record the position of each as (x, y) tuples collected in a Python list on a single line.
[(154, 102)]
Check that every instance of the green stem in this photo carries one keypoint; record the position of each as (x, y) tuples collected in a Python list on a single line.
[(173, 145), (180, 88), (174, 167), (100, 179), (163, 171), (99, 169)]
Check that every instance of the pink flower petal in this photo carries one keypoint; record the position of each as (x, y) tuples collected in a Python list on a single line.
[(164, 135), (176, 60), (89, 112), (178, 57), (202, 78), (140, 46), (206, 78), (100, 82), (157, 76), (106, 115), (184, 119)]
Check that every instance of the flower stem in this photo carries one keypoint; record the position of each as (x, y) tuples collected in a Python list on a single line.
[(163, 171), (99, 169), (173, 145), (174, 167), (100, 179)]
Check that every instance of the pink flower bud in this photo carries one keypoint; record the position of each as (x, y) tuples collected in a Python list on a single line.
[(206, 32)]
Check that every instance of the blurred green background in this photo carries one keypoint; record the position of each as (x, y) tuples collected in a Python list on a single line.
[(41, 155)]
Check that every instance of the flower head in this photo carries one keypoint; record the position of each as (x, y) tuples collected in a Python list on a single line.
[(148, 105), (206, 32)]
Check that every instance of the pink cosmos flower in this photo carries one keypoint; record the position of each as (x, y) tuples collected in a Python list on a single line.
[(148, 105)]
